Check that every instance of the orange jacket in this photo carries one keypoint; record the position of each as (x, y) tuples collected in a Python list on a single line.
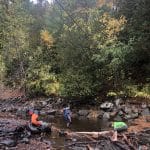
[(34, 119)]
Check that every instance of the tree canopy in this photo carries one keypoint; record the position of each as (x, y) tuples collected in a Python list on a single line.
[(76, 48)]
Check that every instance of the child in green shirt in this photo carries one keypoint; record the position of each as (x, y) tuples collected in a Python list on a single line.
[(118, 127)]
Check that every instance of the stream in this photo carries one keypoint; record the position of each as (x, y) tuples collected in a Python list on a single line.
[(79, 125)]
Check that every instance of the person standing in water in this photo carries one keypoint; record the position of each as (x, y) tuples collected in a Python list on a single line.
[(67, 115)]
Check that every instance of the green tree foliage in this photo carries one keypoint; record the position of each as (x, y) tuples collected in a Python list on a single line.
[(74, 47), (41, 79), (14, 38), (91, 52), (136, 30)]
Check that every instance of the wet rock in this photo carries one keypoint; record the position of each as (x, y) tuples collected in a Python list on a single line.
[(120, 113), (144, 105), (94, 115), (106, 116), (3, 110), (118, 118), (145, 112), (83, 112), (9, 143), (127, 117), (59, 113), (113, 114), (32, 104), (118, 102), (44, 103), (21, 112), (12, 109), (43, 113), (48, 143), (135, 115), (147, 118), (128, 110), (50, 117), (135, 110), (25, 140), (49, 106), (62, 133), (132, 116), (79, 148), (101, 113), (59, 101), (51, 112), (107, 105)]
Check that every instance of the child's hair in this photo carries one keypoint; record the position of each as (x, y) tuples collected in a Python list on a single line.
[(37, 112), (65, 105)]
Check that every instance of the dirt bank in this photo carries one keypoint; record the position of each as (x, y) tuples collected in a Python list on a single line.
[(139, 124), (6, 92)]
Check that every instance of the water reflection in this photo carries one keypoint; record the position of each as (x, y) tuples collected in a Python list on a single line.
[(78, 124)]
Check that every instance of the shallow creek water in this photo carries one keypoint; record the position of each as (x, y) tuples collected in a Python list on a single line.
[(81, 125)]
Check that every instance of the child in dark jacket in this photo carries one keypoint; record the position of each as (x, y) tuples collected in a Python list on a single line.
[(67, 115)]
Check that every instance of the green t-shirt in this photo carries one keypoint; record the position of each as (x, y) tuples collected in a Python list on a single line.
[(117, 125)]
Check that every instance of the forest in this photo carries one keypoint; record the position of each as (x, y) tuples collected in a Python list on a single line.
[(75, 74), (76, 48)]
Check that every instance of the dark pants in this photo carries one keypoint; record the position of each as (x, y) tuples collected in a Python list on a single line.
[(121, 129)]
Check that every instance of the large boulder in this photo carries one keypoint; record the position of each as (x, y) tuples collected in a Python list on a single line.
[(145, 112), (117, 118), (118, 102), (44, 103), (83, 112), (106, 116), (107, 105), (94, 114), (128, 110), (131, 116), (144, 105), (135, 110)]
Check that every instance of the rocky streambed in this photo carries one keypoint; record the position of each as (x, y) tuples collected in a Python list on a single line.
[(117, 110), (13, 135), (13, 118)]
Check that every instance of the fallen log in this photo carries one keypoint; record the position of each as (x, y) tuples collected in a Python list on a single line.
[(125, 141), (95, 133), (91, 134)]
